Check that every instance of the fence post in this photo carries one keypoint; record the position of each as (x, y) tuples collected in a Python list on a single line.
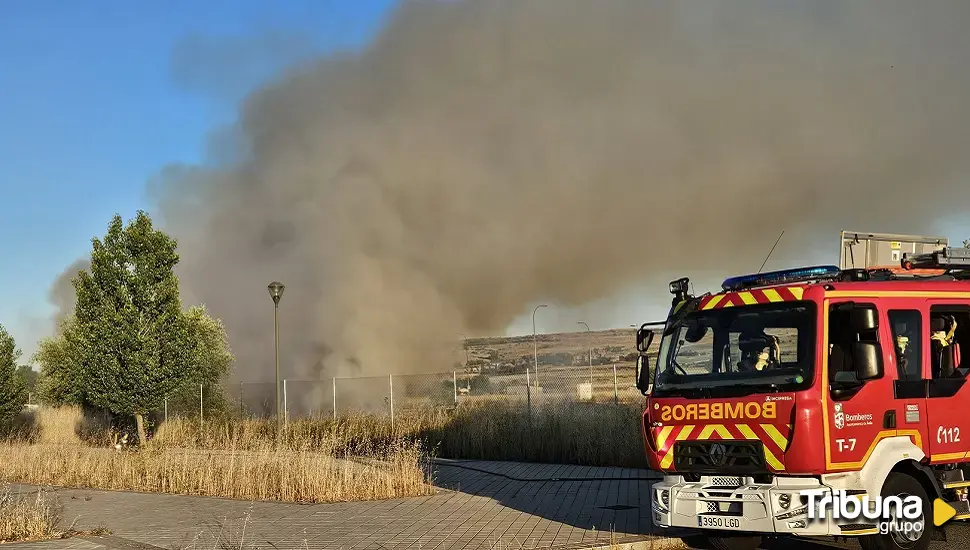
[(200, 405), (334, 398), (528, 393), (390, 378), (454, 378), (286, 409), (616, 395)]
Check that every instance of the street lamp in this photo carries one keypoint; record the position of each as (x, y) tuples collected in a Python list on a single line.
[(535, 345), (590, 337), (276, 292)]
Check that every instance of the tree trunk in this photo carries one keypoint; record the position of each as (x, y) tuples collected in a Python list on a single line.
[(142, 440)]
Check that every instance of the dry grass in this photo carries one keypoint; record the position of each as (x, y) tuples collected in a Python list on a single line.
[(244, 464), (26, 518), (361, 457), (592, 434)]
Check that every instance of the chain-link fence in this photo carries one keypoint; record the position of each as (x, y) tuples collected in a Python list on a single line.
[(396, 393)]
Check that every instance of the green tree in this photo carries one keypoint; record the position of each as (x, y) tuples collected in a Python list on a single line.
[(29, 376), (130, 338), (211, 361), (13, 389), (61, 373)]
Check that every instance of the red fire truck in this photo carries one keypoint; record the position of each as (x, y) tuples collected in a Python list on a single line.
[(822, 378)]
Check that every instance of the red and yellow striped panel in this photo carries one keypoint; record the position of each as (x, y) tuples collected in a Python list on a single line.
[(751, 297), (775, 439)]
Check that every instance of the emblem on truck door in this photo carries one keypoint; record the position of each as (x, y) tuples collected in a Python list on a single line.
[(839, 417)]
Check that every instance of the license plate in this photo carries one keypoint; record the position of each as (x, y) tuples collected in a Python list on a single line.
[(718, 522)]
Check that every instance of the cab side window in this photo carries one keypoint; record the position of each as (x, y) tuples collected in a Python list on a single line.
[(907, 330), (949, 333), (844, 333)]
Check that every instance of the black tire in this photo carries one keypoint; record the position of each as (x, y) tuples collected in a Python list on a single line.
[(707, 542), (903, 485)]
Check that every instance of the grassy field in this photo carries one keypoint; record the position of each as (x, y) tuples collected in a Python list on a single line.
[(360, 457), (60, 448)]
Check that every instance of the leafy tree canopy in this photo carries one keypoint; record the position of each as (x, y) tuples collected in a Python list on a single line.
[(13, 387)]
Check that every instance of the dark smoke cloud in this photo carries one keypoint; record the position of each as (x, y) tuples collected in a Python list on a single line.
[(61, 294), (478, 157)]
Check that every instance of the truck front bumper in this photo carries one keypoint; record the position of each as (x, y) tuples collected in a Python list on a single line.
[(738, 504)]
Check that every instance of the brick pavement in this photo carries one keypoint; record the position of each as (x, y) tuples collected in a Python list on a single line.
[(481, 505)]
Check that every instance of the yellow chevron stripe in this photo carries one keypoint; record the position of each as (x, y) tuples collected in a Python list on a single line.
[(668, 458), (706, 432), (663, 435), (747, 298), (773, 295), (797, 292), (728, 303), (771, 460), (722, 431), (714, 301), (747, 432), (776, 436)]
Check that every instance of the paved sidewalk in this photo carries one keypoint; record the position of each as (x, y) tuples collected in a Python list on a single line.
[(481, 505)]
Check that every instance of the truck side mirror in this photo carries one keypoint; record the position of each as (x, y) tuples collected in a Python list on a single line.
[(643, 374), (644, 339), (867, 358)]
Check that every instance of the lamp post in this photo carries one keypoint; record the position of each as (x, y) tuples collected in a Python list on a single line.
[(276, 292), (535, 345), (589, 335)]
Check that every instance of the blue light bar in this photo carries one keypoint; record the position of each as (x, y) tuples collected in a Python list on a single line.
[(781, 277)]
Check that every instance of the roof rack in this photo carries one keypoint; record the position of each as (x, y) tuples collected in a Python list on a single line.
[(948, 258)]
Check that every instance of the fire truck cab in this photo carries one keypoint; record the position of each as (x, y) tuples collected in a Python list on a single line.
[(817, 378)]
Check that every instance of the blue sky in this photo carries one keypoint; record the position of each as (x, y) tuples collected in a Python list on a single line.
[(97, 96)]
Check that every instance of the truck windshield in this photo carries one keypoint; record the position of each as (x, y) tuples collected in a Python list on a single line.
[(745, 349)]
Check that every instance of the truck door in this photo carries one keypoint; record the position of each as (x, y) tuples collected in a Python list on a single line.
[(907, 342), (860, 413), (947, 388)]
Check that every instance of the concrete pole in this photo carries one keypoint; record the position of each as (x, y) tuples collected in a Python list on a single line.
[(535, 345), (589, 336), (390, 378)]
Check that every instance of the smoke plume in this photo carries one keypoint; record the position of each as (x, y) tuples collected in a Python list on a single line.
[(479, 156)]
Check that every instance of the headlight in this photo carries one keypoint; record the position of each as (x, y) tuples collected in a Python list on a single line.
[(784, 500), (665, 498)]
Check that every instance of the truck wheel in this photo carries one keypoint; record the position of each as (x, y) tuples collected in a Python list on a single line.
[(903, 486), (722, 543)]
